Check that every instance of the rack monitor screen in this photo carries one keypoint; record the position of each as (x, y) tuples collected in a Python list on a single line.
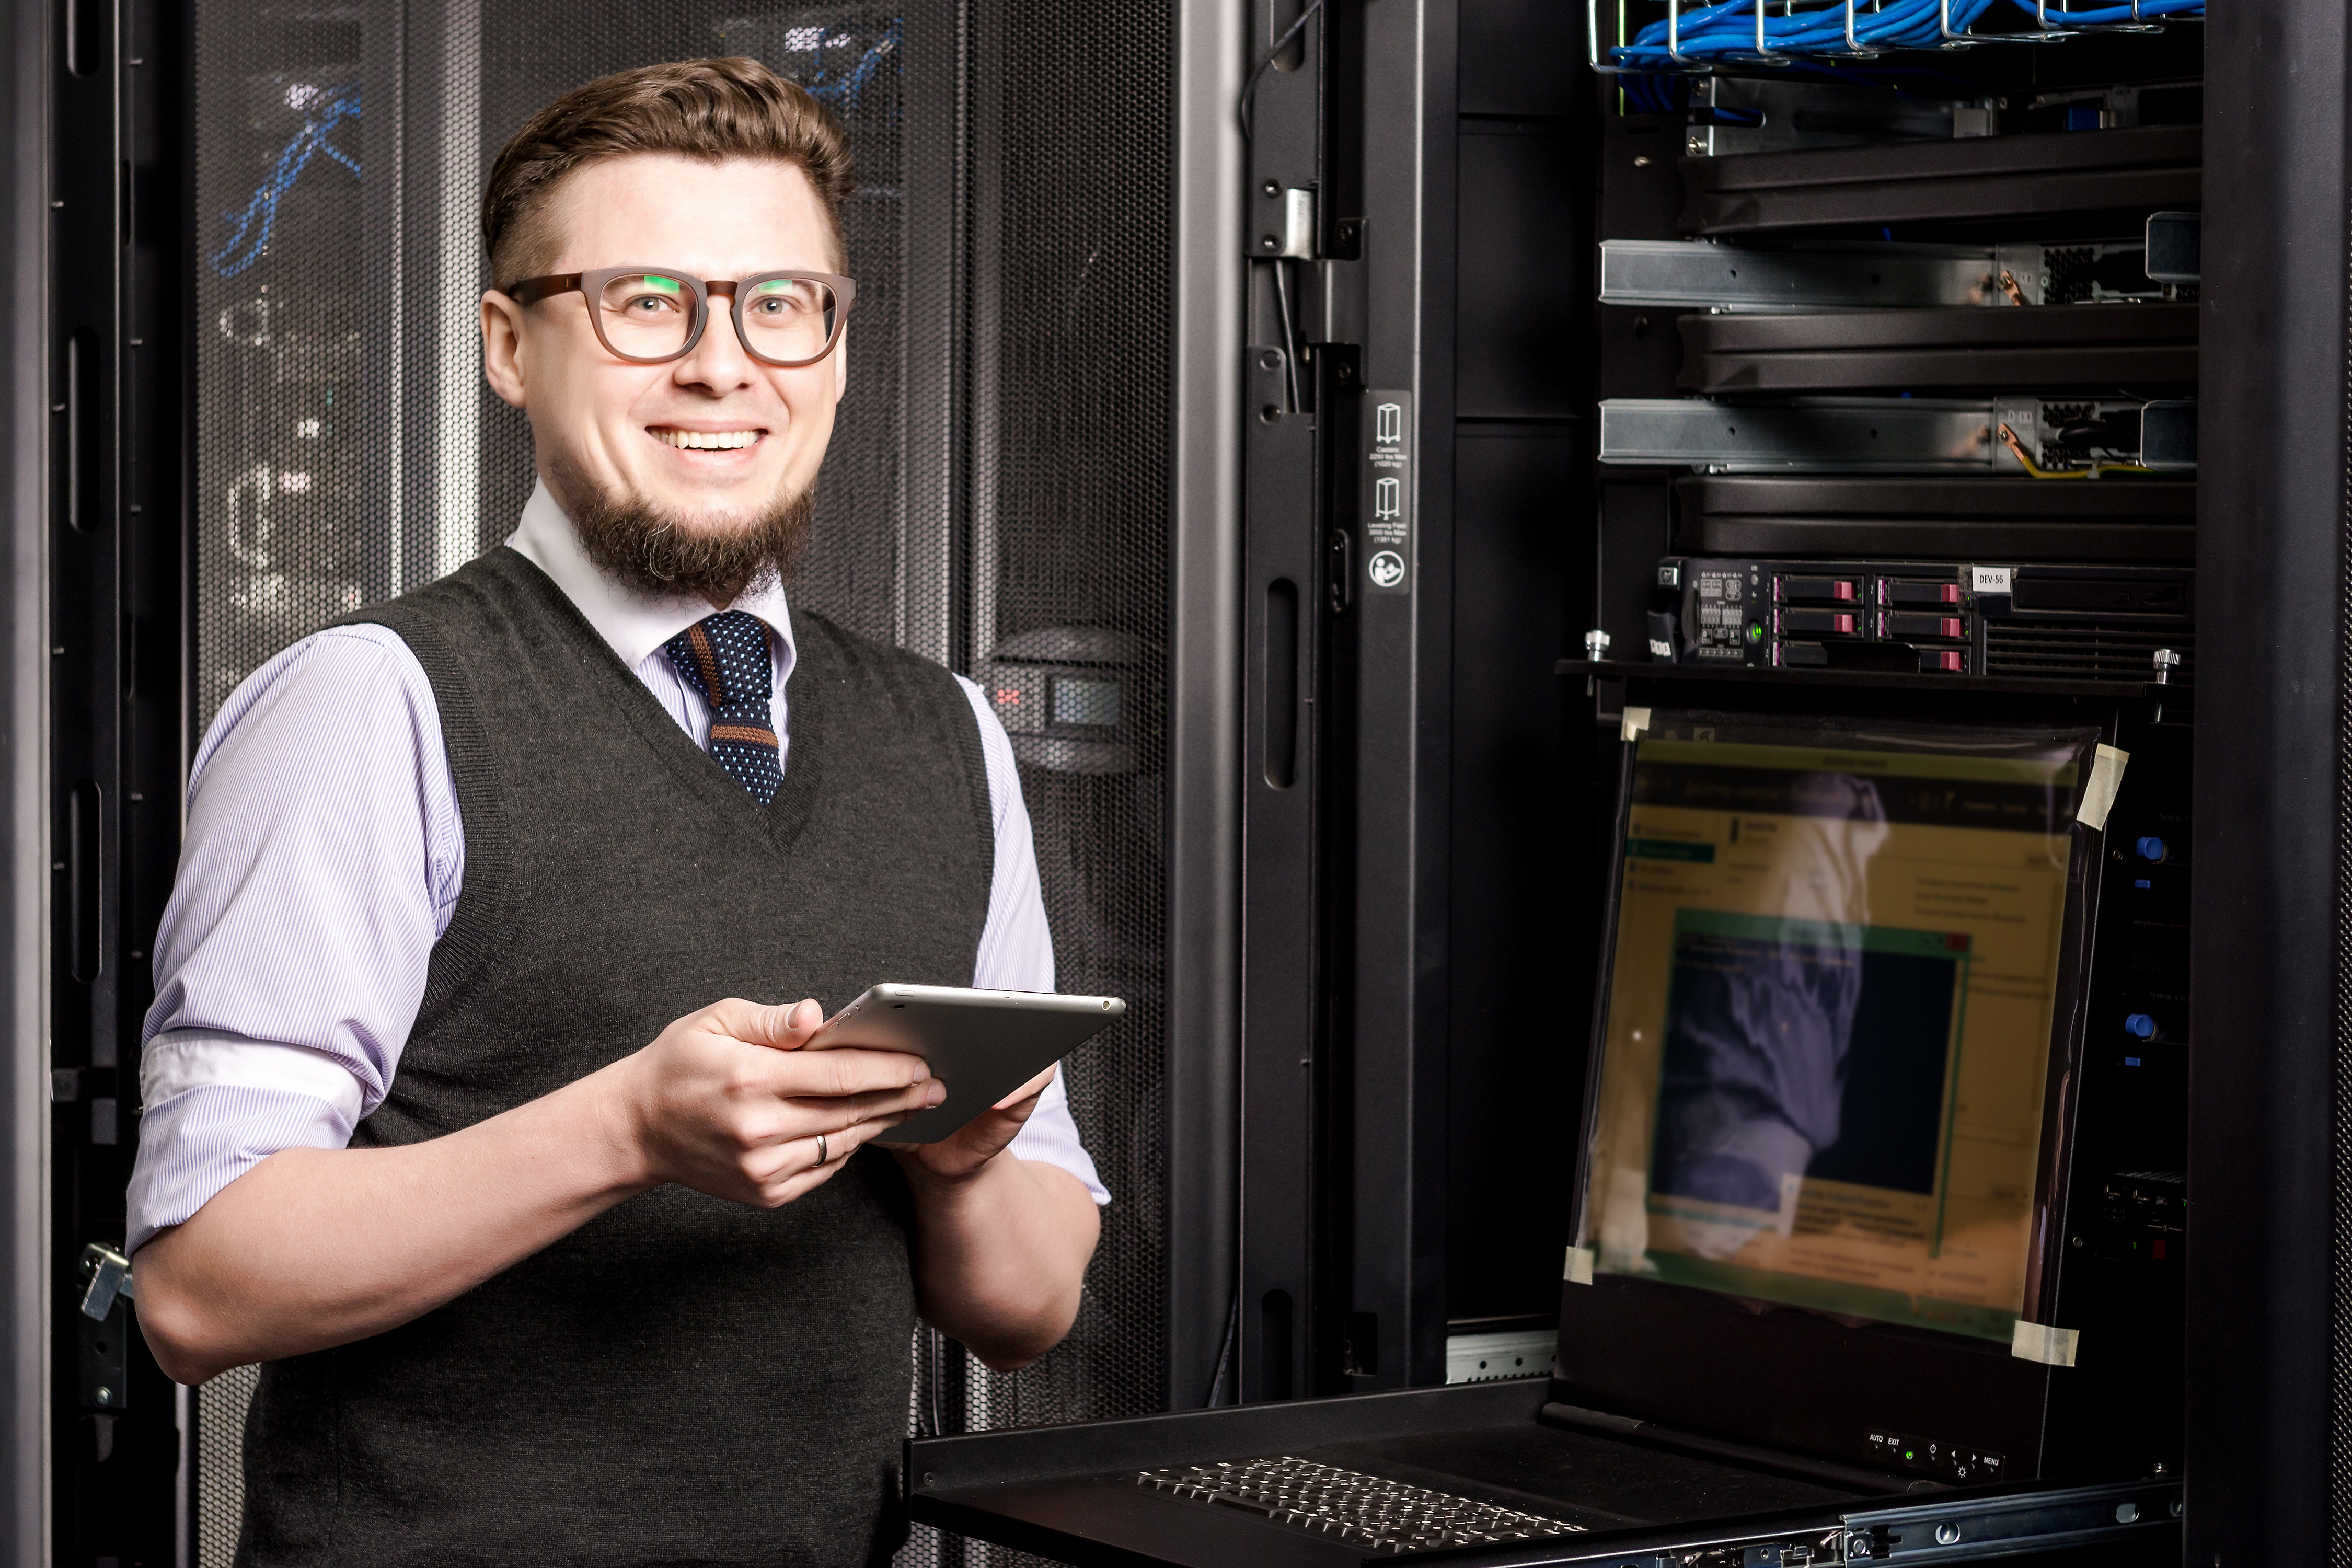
[(1836, 963)]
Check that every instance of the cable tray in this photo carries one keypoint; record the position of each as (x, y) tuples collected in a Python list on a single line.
[(1698, 38)]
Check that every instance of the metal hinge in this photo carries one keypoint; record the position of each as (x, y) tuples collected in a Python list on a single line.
[(108, 1276)]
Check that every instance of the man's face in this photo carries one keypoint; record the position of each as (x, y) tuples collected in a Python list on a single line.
[(622, 430)]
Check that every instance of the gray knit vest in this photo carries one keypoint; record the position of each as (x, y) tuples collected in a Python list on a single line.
[(682, 1380)]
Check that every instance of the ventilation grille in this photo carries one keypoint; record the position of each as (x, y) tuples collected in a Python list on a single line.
[(1070, 375), (2085, 650), (2066, 273), (220, 1474)]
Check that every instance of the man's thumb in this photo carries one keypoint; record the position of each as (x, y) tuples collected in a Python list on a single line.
[(784, 1026)]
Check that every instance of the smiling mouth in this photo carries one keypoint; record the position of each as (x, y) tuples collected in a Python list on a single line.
[(705, 440)]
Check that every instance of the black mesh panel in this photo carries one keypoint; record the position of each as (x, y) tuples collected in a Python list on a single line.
[(1070, 414)]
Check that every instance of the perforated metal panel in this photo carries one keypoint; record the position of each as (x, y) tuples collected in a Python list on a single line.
[(295, 477), (347, 447), (220, 1475), (995, 494), (1071, 169)]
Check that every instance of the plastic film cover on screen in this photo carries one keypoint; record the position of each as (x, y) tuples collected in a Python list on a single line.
[(1836, 966)]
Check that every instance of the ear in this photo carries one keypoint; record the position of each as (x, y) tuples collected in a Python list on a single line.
[(502, 353)]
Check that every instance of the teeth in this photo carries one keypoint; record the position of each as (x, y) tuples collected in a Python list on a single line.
[(708, 441)]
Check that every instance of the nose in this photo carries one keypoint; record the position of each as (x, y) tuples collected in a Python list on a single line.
[(718, 361)]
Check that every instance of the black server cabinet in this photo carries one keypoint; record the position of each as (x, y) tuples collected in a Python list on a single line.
[(2270, 1407), (255, 276), (114, 543), (1418, 793), (1436, 512)]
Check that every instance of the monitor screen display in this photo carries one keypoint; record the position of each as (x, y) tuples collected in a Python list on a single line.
[(1827, 1044)]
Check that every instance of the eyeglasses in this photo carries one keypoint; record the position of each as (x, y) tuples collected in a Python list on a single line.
[(647, 316)]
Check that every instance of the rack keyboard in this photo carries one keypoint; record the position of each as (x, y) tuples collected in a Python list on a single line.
[(1350, 1506)]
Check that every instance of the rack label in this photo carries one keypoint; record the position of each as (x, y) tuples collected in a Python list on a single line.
[(1388, 493)]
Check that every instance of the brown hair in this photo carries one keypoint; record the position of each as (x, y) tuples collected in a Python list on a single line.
[(708, 110)]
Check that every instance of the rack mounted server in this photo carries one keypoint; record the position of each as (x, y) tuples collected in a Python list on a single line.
[(2160, 266), (2037, 621), (2035, 436)]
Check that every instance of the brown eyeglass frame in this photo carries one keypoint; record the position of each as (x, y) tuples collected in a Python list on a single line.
[(590, 285)]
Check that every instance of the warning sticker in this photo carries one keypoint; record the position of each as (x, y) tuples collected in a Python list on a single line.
[(1388, 493)]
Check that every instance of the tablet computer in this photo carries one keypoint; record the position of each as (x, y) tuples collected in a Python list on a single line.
[(983, 1045)]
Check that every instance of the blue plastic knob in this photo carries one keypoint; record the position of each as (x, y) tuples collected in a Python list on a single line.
[(2141, 1025), (2151, 848)]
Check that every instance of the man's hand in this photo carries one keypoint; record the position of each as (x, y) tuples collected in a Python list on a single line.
[(726, 1102), (315, 1247), (960, 1156), (1000, 1243)]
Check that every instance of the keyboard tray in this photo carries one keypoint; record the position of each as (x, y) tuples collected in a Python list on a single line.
[(1082, 1494)]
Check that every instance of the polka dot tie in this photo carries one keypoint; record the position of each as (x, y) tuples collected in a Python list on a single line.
[(725, 658)]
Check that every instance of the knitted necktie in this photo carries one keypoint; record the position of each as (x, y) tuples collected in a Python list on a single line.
[(725, 658)]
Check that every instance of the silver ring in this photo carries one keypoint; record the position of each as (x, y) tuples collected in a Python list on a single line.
[(821, 1156)]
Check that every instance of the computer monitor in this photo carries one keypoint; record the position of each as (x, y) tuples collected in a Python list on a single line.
[(1840, 1003), (1828, 1038)]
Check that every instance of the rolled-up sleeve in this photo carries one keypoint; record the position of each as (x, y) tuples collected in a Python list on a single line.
[(322, 858)]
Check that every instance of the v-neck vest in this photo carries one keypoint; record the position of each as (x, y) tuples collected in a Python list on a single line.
[(682, 1379)]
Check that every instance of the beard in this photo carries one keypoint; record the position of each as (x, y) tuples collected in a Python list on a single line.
[(701, 555)]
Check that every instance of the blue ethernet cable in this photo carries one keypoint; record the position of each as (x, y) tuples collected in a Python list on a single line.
[(245, 246), (1727, 30), (842, 91)]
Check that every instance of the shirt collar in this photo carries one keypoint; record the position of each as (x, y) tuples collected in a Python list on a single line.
[(634, 625)]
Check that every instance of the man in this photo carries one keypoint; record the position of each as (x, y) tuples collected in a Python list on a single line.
[(553, 1252)]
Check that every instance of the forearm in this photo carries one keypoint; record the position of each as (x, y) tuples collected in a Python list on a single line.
[(315, 1247), (999, 1256)]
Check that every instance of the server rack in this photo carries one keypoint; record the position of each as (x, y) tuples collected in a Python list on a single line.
[(1407, 748), (2265, 1241), (1425, 204)]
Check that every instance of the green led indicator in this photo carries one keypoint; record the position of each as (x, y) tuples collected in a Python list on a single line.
[(1910, 1454), (1754, 632)]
